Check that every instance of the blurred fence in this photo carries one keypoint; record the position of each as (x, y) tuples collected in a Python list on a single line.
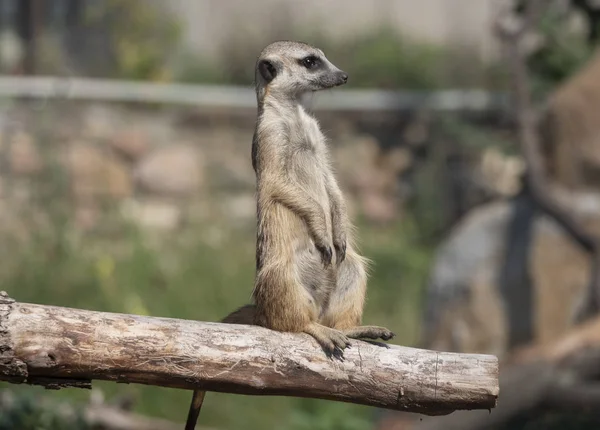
[(244, 97)]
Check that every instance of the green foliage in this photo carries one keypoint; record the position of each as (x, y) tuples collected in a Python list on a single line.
[(381, 58), (142, 37), (472, 137), (563, 52), (202, 71), (24, 412), (311, 414)]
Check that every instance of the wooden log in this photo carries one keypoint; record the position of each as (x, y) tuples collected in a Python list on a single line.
[(50, 343)]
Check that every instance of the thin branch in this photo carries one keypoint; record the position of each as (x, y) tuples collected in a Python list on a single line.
[(55, 342)]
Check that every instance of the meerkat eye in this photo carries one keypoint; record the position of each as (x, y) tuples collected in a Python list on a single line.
[(310, 62)]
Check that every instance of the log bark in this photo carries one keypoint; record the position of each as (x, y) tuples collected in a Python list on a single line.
[(70, 347)]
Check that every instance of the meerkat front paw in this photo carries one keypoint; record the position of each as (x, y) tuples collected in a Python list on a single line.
[(339, 243)]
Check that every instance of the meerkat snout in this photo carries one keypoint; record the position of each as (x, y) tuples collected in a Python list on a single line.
[(342, 78), (330, 80), (323, 74)]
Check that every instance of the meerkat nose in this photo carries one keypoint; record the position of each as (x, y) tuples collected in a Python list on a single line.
[(345, 77)]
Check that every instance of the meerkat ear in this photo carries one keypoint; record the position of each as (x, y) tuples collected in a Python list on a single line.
[(267, 70)]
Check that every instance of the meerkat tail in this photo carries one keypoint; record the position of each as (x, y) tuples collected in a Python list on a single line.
[(194, 412), (243, 315)]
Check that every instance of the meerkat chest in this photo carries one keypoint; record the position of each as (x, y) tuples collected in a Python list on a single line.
[(308, 155), (307, 132)]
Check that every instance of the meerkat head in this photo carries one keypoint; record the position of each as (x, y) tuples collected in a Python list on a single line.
[(291, 69)]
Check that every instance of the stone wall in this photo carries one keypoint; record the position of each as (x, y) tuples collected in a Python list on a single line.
[(164, 167)]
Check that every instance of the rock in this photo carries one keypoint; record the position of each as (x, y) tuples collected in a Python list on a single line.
[(500, 174), (466, 265), (373, 177), (354, 161), (24, 157), (86, 216), (95, 173), (132, 143), (378, 208), (171, 170), (231, 176), (153, 213), (417, 132), (467, 308), (99, 121), (399, 160), (230, 167)]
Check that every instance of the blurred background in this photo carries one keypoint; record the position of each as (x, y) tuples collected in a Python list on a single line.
[(126, 186)]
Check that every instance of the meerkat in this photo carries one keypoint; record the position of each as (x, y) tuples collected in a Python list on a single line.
[(309, 276)]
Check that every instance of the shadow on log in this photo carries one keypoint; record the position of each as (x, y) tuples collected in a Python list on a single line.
[(62, 347)]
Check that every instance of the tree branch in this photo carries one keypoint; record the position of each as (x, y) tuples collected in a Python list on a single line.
[(55, 342)]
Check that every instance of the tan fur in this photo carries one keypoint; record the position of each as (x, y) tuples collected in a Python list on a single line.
[(309, 276)]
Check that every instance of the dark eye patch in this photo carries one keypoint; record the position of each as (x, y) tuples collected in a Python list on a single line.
[(311, 62)]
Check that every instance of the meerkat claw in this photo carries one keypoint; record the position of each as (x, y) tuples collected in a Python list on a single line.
[(388, 335), (326, 254), (340, 251)]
